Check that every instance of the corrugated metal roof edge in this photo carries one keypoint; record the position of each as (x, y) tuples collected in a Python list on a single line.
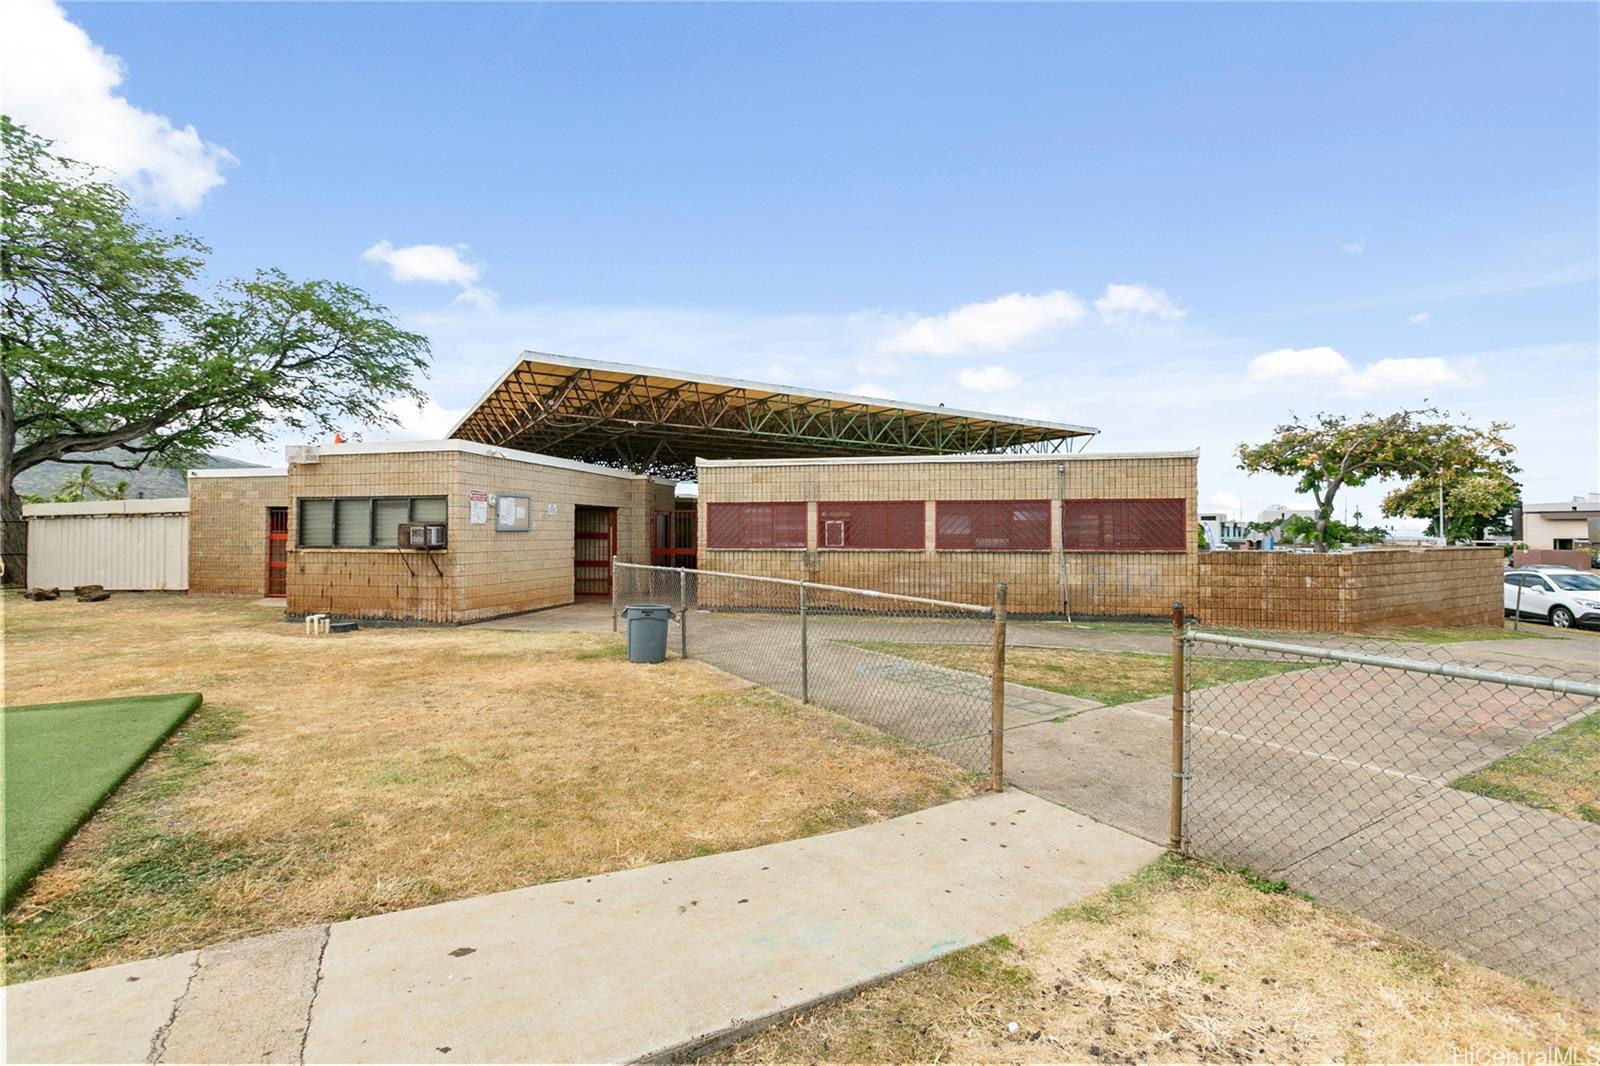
[(1009, 457), (739, 383)]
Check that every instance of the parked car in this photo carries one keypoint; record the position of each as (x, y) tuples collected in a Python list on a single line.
[(1564, 598)]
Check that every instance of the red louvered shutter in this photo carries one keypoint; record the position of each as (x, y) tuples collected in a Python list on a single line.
[(1124, 525)]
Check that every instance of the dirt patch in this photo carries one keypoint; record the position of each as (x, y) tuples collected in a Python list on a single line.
[(1186, 963), (327, 778)]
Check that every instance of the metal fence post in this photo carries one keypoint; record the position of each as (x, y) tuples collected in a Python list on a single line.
[(997, 695), (1516, 613), (615, 588), (1175, 828), (683, 614), (805, 664)]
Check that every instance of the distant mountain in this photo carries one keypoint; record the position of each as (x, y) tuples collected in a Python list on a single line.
[(147, 483)]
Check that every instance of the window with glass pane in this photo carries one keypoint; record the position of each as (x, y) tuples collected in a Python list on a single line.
[(428, 509), (316, 524), (387, 517), (352, 523)]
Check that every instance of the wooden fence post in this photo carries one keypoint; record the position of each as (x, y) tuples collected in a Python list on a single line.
[(997, 695), (1176, 827)]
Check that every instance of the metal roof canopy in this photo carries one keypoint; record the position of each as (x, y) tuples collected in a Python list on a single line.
[(659, 421)]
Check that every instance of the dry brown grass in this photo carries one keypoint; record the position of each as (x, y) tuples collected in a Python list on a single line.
[(1185, 963), (340, 776)]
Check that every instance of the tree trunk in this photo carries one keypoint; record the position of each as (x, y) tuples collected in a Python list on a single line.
[(13, 530)]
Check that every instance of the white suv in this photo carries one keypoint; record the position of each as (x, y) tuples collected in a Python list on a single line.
[(1564, 598)]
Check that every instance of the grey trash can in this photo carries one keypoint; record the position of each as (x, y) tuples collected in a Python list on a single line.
[(647, 631)]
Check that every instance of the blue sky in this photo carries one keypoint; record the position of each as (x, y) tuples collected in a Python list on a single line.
[(1294, 207)]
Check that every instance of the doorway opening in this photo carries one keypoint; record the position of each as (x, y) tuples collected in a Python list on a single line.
[(594, 542), (277, 552)]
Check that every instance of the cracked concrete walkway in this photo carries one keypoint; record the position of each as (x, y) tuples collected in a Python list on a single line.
[(616, 967)]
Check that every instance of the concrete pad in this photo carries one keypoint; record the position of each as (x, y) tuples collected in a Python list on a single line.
[(114, 1014), (642, 962), (1111, 763), (249, 1001)]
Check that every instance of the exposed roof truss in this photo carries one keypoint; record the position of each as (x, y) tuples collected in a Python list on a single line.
[(659, 421)]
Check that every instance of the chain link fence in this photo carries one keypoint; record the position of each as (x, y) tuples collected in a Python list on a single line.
[(1446, 791), (843, 649)]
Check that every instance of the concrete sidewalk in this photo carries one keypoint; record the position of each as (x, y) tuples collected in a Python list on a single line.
[(617, 967)]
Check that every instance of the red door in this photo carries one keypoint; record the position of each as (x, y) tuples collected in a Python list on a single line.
[(594, 543), (277, 551)]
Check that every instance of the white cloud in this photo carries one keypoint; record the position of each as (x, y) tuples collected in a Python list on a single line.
[(63, 86), (1326, 368), (987, 378), (1226, 502), (427, 421), (994, 325), (424, 262), (1354, 247), (1298, 364), (438, 263), (1419, 319), (1123, 303), (871, 388)]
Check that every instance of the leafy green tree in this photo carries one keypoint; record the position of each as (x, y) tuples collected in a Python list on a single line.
[(1298, 529), (1330, 452), (106, 342), (1479, 494)]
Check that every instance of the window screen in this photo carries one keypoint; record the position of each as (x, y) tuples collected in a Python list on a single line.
[(387, 517), (992, 525), (1124, 525), (363, 521), (352, 523), (755, 525), (874, 524), (428, 509), (316, 524)]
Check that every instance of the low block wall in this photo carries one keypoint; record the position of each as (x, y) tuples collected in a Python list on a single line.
[(1350, 591), (1578, 560)]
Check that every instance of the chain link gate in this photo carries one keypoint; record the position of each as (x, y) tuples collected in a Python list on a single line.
[(837, 648), (1432, 791)]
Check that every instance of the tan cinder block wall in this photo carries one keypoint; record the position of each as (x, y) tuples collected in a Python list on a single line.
[(505, 572), (484, 572), (377, 583), (1350, 591), (1111, 583), (228, 533)]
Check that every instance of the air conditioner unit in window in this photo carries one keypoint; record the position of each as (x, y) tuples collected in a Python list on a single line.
[(422, 536)]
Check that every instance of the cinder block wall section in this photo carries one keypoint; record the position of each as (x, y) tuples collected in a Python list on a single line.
[(377, 582), (1042, 581), (484, 572), (504, 572), (228, 529), (1350, 591)]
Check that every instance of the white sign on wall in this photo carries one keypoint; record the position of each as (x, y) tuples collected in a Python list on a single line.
[(478, 510)]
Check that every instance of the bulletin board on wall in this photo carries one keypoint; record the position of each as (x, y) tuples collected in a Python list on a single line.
[(513, 513)]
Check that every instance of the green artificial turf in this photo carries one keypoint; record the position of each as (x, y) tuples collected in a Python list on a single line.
[(61, 762)]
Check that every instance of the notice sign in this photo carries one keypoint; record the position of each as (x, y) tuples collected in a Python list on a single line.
[(513, 513), (478, 511)]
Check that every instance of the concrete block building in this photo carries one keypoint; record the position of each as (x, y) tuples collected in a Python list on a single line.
[(564, 464), (1092, 533), (523, 531)]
